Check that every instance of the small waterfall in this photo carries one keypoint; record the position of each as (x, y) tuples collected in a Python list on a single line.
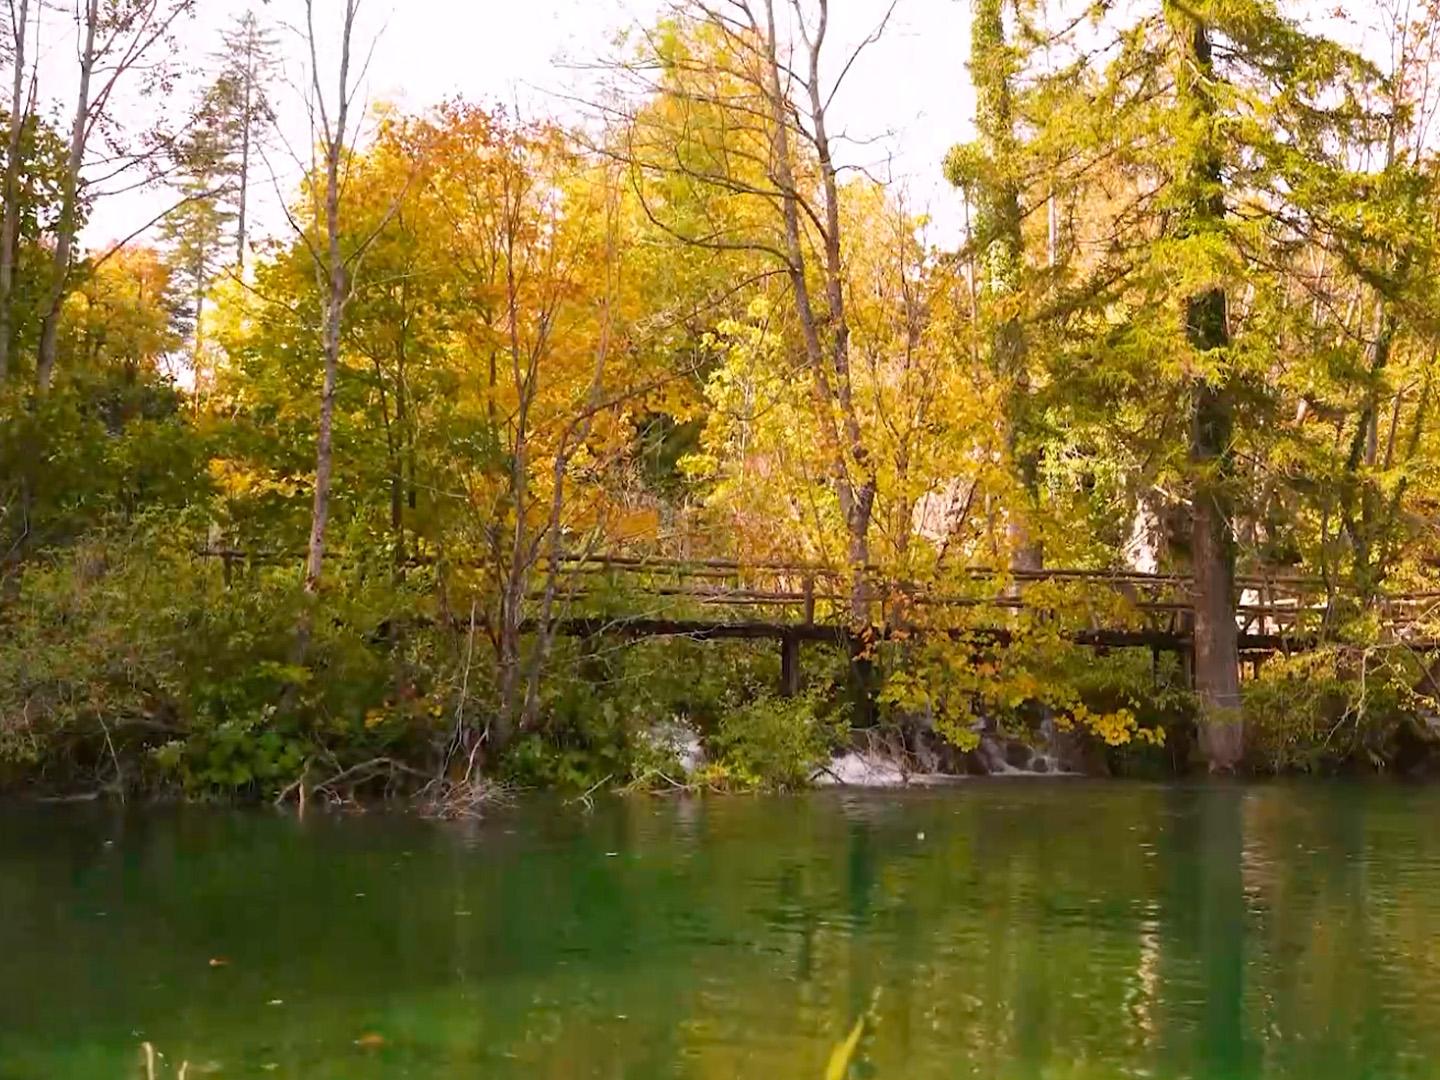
[(1001, 755)]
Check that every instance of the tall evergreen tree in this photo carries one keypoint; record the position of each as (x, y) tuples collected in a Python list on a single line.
[(989, 171), (240, 99), (1197, 152), (1200, 202), (198, 230)]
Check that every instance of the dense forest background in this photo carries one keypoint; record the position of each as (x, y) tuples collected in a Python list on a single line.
[(291, 511)]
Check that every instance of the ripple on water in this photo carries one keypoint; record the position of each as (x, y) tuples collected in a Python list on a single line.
[(989, 930)]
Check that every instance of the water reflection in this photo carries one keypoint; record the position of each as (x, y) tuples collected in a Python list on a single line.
[(994, 930)]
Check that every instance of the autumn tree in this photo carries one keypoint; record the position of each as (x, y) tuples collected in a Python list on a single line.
[(767, 102), (321, 233), (116, 45), (538, 237)]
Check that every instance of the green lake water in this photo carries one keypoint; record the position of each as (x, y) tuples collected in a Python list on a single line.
[(995, 930)]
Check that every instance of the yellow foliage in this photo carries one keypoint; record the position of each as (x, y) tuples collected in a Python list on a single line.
[(1117, 728)]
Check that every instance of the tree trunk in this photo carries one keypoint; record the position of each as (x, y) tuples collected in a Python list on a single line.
[(243, 194), (69, 209), (1212, 539), (1364, 528), (829, 367), (202, 257), (338, 292), (1367, 534), (521, 557), (10, 215), (397, 511), (334, 309), (512, 602), (1217, 655), (851, 468)]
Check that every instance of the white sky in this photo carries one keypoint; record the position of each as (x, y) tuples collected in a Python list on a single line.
[(909, 92), (909, 95)]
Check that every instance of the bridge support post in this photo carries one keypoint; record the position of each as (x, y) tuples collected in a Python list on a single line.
[(1187, 650), (789, 665)]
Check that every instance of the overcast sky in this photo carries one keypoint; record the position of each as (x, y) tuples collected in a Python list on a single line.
[(908, 97)]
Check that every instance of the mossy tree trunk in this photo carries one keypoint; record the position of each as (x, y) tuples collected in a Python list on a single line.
[(1212, 537)]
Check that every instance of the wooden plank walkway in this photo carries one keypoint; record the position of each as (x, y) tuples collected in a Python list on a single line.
[(711, 599), (1273, 610), (717, 599)]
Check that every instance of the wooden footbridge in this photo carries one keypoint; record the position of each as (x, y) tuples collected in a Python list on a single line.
[(791, 603), (642, 596)]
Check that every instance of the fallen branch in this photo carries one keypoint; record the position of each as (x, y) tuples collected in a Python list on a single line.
[(585, 796), (357, 774), (297, 784), (452, 800)]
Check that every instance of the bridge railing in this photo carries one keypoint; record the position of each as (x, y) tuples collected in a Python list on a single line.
[(1273, 609), (1270, 605)]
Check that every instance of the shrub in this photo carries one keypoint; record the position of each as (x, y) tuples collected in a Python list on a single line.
[(1116, 699), (1319, 710), (127, 659), (774, 743)]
